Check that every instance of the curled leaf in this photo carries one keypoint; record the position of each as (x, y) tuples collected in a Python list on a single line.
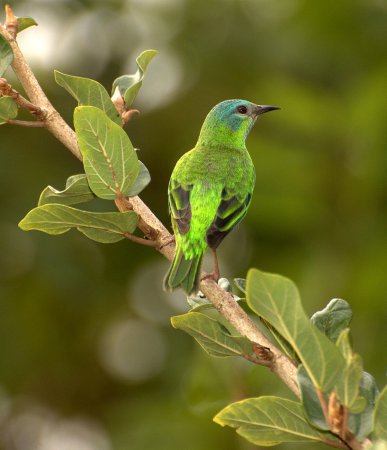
[(334, 318), (129, 85), (77, 190)]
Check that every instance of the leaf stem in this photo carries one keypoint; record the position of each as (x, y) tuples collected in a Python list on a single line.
[(142, 241)]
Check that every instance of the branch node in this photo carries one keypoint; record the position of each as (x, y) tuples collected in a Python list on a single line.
[(11, 24), (261, 352)]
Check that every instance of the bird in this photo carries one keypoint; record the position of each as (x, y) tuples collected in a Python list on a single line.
[(210, 190)]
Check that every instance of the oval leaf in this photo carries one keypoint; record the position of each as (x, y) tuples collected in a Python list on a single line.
[(107, 227), (88, 93), (276, 299), (6, 55), (129, 85), (8, 109), (77, 190), (334, 318), (25, 22), (269, 421), (110, 161), (141, 182), (212, 336), (380, 416)]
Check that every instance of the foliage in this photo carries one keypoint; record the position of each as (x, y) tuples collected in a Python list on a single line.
[(111, 171), (330, 377), (112, 168)]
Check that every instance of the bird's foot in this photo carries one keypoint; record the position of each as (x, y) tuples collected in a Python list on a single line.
[(215, 275), (167, 241)]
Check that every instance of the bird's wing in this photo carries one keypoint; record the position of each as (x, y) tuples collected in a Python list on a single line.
[(179, 205), (231, 210)]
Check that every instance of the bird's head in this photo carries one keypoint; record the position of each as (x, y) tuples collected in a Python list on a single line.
[(231, 120)]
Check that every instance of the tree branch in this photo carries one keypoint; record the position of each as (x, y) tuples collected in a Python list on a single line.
[(54, 122), (150, 225)]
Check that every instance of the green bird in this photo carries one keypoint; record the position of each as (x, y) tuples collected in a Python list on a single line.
[(210, 190)]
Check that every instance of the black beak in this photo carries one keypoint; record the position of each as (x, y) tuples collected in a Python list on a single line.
[(262, 109)]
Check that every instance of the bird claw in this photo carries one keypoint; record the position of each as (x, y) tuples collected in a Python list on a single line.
[(211, 276)]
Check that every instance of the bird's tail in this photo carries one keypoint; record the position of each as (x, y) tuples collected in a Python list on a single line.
[(184, 273)]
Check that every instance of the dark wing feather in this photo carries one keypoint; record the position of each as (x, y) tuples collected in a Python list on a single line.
[(179, 205), (230, 212)]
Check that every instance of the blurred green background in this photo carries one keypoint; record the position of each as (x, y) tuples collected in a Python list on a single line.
[(88, 359)]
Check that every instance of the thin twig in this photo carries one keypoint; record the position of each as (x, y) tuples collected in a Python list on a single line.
[(7, 89), (27, 123), (54, 122), (142, 241)]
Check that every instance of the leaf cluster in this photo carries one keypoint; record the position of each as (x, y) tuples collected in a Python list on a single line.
[(112, 168), (340, 404)]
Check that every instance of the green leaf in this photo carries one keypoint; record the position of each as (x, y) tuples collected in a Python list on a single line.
[(334, 318), (141, 182), (213, 337), (88, 93), (110, 161), (380, 416), (269, 331), (107, 227), (359, 405), (347, 388), (310, 400), (276, 299), (343, 343), (8, 109), (6, 55), (240, 284), (269, 421), (77, 190), (129, 85), (361, 424), (25, 22)]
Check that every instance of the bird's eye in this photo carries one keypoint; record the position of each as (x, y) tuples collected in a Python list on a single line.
[(242, 109)]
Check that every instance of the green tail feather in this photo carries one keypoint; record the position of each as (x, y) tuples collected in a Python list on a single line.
[(184, 273)]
